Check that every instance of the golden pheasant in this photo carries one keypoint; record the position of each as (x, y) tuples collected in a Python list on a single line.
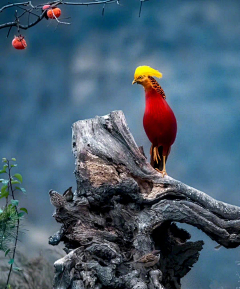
[(159, 120)]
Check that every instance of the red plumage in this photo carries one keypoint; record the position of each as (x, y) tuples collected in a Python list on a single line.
[(159, 121)]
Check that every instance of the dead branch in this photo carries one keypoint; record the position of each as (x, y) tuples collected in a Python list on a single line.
[(123, 209)]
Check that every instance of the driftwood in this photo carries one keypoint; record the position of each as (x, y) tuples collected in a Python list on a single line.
[(123, 209)]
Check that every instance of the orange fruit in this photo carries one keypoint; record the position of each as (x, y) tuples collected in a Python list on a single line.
[(53, 13), (19, 42)]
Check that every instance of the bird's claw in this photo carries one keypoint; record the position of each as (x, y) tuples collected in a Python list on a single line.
[(163, 172), (156, 155)]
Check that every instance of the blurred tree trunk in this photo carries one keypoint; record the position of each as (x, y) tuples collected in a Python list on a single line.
[(124, 209)]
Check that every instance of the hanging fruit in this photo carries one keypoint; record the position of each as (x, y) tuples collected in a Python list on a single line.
[(53, 13), (19, 42)]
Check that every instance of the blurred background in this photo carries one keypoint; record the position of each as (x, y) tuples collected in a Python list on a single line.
[(78, 71)]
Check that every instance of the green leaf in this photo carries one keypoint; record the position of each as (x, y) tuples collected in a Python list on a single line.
[(21, 189), (21, 214), (4, 160), (15, 182), (11, 261), (5, 194), (14, 202), (6, 252), (24, 210), (17, 269), (4, 169), (18, 176), (4, 189), (15, 165), (13, 159), (4, 182)]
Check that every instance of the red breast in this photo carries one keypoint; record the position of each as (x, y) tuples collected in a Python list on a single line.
[(159, 121)]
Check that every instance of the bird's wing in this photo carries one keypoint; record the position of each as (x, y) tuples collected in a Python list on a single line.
[(67, 190)]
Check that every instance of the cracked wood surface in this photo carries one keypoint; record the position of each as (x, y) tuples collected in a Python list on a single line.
[(107, 155), (123, 209)]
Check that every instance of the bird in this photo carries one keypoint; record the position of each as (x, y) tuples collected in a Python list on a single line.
[(56, 199), (149, 259), (159, 121), (68, 194)]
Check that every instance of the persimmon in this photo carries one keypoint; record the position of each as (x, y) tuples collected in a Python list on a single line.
[(53, 13), (19, 42)]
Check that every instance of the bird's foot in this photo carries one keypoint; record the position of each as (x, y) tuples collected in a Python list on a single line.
[(156, 155), (163, 172)]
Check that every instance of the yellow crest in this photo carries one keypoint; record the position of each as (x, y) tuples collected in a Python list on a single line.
[(147, 71)]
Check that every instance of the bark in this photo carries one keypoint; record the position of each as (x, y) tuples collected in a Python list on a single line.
[(123, 209)]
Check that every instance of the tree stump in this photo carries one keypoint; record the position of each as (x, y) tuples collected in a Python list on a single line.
[(123, 209)]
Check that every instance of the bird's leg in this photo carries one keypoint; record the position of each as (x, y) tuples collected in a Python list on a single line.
[(163, 172), (156, 155), (164, 166)]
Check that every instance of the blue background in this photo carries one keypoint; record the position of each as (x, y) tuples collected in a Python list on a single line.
[(77, 71)]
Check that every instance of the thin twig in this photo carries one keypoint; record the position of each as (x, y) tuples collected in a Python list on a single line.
[(52, 4), (29, 18), (13, 256), (18, 223), (24, 27), (27, 11), (140, 8), (15, 4), (103, 9), (28, 7), (61, 22), (90, 3)]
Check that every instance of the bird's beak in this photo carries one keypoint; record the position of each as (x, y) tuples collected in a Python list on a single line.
[(134, 81)]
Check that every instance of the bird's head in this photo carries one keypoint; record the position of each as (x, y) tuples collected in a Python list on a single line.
[(51, 193), (142, 73)]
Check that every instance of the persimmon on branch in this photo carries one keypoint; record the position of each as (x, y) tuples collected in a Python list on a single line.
[(40, 13)]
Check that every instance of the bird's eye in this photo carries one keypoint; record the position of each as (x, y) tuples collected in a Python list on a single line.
[(140, 77)]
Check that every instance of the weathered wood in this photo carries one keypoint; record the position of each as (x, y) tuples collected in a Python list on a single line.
[(123, 209)]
